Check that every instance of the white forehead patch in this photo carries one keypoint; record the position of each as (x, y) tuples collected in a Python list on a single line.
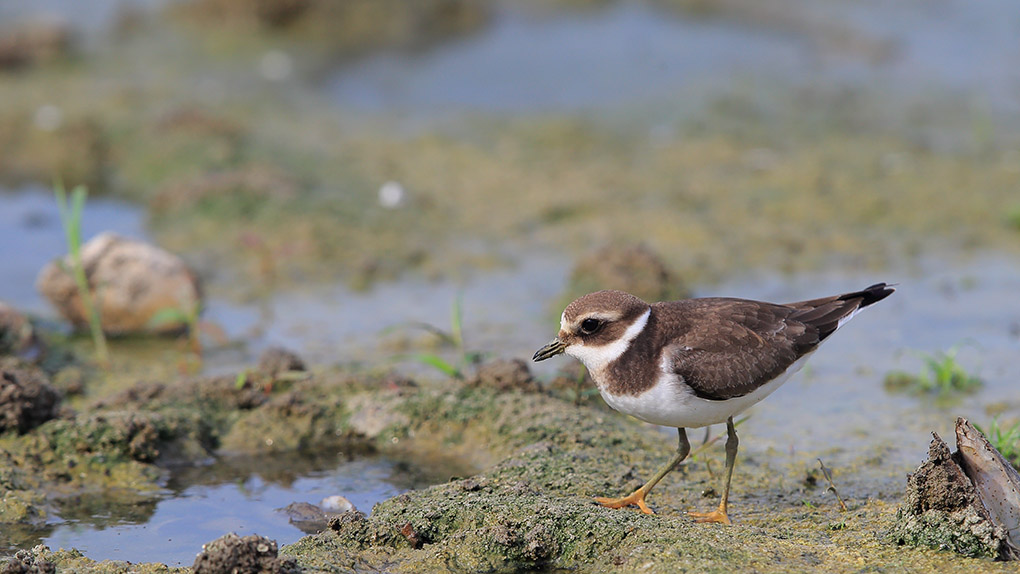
[(597, 357)]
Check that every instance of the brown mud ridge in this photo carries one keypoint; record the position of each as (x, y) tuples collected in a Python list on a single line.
[(533, 461), (967, 501)]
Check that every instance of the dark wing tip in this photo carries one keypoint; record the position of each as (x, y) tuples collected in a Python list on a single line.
[(872, 294)]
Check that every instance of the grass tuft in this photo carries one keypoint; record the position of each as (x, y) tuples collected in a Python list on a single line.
[(941, 375), (1013, 217), (453, 338)]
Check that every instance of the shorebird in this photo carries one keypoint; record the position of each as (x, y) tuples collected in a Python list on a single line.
[(695, 362)]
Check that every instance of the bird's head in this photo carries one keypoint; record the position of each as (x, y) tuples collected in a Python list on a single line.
[(597, 328)]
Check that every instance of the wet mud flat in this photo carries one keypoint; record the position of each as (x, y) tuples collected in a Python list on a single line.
[(539, 458), (258, 192)]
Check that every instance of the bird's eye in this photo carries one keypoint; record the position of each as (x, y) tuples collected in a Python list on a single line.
[(589, 326)]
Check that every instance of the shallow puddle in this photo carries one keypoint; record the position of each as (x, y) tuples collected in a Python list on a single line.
[(241, 496)]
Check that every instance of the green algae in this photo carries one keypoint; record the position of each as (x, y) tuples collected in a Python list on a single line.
[(541, 459), (41, 559), (533, 510)]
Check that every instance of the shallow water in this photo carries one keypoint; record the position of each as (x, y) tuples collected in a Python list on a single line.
[(623, 53), (203, 503), (839, 402), (91, 17), (632, 55)]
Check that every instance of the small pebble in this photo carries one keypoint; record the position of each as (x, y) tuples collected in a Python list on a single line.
[(392, 195), (336, 503)]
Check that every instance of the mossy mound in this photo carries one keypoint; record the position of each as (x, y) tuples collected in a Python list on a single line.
[(530, 509)]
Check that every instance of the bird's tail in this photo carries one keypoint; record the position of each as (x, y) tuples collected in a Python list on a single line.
[(830, 313)]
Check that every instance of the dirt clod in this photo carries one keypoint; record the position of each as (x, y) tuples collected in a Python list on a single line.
[(939, 483), (16, 333), (34, 43), (27, 399), (277, 360), (941, 510), (27, 562), (636, 269), (505, 375), (233, 553)]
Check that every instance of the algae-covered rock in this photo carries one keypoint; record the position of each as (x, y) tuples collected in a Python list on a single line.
[(124, 435), (215, 393), (233, 553), (531, 511), (27, 399), (530, 507), (288, 422), (29, 562), (275, 361), (21, 506), (17, 336), (41, 559)]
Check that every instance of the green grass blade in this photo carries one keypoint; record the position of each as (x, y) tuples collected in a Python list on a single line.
[(71, 218), (438, 363), (78, 196), (457, 322)]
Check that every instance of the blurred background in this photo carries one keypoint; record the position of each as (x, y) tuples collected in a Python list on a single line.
[(382, 184)]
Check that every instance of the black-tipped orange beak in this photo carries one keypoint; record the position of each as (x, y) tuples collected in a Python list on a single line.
[(555, 347)]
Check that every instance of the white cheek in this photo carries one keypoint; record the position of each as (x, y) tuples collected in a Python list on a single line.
[(595, 358)]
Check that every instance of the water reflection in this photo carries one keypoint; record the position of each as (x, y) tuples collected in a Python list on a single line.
[(240, 495)]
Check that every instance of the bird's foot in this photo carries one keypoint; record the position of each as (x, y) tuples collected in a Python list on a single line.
[(718, 515), (636, 498)]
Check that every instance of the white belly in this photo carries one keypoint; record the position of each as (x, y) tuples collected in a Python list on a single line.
[(673, 404)]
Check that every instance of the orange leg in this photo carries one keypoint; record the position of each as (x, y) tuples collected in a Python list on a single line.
[(719, 515), (637, 498)]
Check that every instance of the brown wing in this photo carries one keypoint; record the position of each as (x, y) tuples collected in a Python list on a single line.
[(733, 346), (730, 347)]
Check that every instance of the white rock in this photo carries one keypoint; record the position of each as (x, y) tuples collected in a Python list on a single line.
[(392, 195), (336, 504), (131, 282)]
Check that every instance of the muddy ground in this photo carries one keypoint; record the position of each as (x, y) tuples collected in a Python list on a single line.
[(273, 186), (539, 460)]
